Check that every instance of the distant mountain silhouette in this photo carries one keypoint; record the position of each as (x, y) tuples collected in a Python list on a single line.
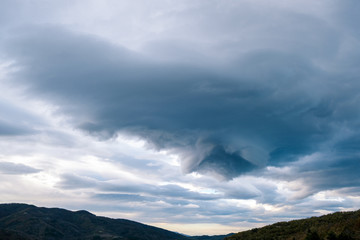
[(206, 237), (27, 222), (335, 226)]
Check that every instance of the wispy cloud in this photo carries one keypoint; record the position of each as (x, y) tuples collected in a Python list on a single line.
[(13, 168)]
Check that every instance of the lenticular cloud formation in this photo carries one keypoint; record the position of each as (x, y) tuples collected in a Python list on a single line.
[(263, 108)]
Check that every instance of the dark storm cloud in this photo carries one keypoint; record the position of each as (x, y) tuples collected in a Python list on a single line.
[(266, 107), (17, 169), (269, 104)]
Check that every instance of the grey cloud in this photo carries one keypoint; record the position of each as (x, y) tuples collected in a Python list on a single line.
[(232, 167), (124, 197), (173, 190), (169, 190), (349, 191), (152, 206), (348, 17), (335, 170), (339, 174), (72, 181), (142, 165), (222, 29), (268, 106), (16, 168), (238, 192), (269, 194), (175, 106), (327, 205), (7, 129), (208, 212), (15, 121)]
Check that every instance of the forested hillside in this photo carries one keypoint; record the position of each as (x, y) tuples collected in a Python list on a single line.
[(336, 226), (27, 222)]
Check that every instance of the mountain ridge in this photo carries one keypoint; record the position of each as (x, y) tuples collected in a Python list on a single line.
[(333, 226), (30, 222), (27, 222)]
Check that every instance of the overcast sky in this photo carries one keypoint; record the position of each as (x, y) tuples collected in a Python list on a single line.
[(199, 116)]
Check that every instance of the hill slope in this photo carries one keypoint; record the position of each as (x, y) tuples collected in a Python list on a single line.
[(336, 226), (27, 222)]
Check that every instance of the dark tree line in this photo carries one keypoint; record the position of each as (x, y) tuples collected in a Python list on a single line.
[(344, 235)]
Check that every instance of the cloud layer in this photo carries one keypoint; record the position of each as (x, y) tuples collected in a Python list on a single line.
[(268, 106)]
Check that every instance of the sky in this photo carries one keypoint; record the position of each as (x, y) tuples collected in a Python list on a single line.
[(198, 116)]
